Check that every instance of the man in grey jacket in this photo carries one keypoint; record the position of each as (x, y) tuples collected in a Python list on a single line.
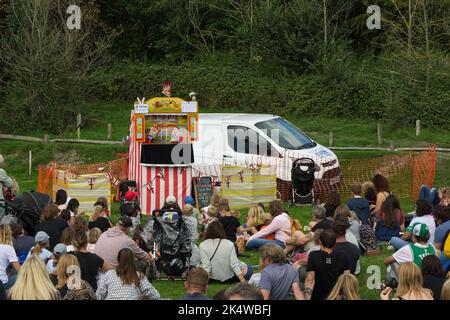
[(114, 239), (5, 183)]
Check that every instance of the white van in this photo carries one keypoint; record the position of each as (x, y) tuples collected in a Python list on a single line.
[(234, 138)]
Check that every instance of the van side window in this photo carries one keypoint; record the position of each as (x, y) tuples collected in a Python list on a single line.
[(245, 140)]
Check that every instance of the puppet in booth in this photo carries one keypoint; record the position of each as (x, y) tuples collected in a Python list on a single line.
[(154, 130), (176, 136)]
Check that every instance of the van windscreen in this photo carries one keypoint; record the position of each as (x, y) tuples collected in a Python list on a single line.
[(289, 136)]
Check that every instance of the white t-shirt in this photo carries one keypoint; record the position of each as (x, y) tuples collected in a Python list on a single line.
[(429, 221), (45, 255), (405, 254), (7, 256)]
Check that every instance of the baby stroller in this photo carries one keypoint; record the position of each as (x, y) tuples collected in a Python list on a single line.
[(26, 210), (302, 174), (172, 245)]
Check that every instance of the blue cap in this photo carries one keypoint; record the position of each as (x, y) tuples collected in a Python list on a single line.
[(189, 200)]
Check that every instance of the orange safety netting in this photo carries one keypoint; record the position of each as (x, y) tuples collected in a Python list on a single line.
[(117, 169), (405, 172)]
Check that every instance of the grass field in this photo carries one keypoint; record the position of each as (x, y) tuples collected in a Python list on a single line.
[(346, 133)]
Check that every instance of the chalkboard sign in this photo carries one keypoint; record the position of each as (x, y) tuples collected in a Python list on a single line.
[(204, 190)]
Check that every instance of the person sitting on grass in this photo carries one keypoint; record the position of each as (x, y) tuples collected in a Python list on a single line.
[(41, 240), (349, 249), (103, 201), (22, 242), (278, 277), (33, 282), (433, 275), (359, 205), (90, 263), (8, 257), (99, 219), (51, 225), (324, 268), (219, 258), (417, 250), (197, 214), (442, 216), (58, 251), (280, 225), (93, 236), (332, 201), (346, 288), (254, 220), (242, 291), (223, 207), (231, 225), (67, 239), (381, 186), (319, 219), (409, 285), (125, 282), (389, 222), (422, 215), (196, 284), (114, 239), (191, 219)]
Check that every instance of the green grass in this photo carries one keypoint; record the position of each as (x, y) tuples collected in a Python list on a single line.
[(346, 133)]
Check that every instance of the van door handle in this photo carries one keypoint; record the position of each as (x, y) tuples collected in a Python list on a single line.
[(227, 156)]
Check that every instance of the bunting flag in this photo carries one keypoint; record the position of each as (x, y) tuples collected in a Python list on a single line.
[(228, 180), (91, 182), (241, 175)]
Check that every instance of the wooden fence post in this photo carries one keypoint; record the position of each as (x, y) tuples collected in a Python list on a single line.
[(417, 128), (379, 133), (30, 161), (46, 138), (109, 130), (330, 138)]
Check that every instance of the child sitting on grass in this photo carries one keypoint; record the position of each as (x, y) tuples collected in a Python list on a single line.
[(93, 236), (188, 211), (267, 219)]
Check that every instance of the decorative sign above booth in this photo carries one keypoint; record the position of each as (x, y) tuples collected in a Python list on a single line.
[(141, 106)]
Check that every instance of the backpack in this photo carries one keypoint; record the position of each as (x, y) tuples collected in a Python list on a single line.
[(446, 245)]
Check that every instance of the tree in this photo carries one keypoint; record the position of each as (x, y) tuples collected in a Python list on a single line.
[(46, 64)]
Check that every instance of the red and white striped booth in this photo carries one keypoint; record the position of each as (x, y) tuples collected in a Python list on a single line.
[(156, 182)]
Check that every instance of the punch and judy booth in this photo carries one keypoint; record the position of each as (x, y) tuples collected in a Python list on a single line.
[(160, 154)]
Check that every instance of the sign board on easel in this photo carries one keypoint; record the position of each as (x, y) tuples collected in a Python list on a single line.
[(203, 191)]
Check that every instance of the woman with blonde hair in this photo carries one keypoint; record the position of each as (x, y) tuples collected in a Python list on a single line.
[(346, 288), (410, 282), (99, 220), (445, 293), (7, 256), (33, 282), (254, 220), (93, 236), (68, 270)]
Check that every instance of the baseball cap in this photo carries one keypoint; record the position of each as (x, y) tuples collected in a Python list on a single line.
[(41, 237), (60, 249), (130, 195), (189, 200), (125, 221), (171, 199), (418, 229)]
